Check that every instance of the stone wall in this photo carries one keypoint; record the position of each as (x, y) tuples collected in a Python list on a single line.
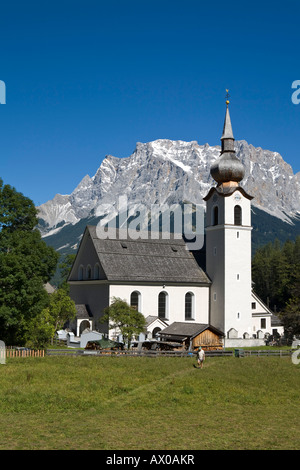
[(243, 343)]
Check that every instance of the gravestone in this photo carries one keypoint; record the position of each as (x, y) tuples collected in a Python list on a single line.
[(2, 352)]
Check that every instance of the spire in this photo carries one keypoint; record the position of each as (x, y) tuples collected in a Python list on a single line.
[(227, 138), (227, 169), (227, 129)]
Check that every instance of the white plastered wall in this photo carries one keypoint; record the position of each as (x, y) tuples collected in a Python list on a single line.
[(175, 300)]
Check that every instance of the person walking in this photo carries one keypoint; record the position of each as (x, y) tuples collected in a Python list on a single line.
[(200, 357)]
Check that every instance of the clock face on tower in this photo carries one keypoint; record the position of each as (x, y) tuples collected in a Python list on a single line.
[(237, 197)]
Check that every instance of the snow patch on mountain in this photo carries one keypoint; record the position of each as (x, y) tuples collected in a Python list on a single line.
[(168, 172)]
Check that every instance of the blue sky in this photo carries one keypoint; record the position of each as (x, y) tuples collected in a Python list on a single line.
[(87, 79)]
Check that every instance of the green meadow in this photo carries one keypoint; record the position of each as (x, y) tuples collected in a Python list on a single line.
[(140, 403)]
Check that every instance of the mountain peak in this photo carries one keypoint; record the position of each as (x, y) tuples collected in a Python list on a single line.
[(164, 170)]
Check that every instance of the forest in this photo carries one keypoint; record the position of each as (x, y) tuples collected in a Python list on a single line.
[(276, 277)]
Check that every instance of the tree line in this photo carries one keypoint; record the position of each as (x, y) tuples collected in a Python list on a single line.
[(276, 277)]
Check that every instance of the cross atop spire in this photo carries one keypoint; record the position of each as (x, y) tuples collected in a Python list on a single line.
[(227, 97)]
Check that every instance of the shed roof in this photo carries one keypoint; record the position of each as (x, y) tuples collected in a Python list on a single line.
[(188, 329), (147, 260)]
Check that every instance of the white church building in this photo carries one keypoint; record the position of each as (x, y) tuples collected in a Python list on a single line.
[(162, 279)]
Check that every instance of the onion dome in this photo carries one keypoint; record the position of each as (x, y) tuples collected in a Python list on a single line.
[(227, 168)]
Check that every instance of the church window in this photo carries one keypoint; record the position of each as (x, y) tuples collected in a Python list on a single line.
[(162, 305), (237, 234), (80, 273), (135, 300), (237, 277), (215, 215), (89, 272), (97, 271), (237, 215), (253, 305), (189, 306), (238, 315), (215, 250), (263, 323), (215, 296)]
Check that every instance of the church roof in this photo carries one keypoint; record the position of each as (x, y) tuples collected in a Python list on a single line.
[(227, 168), (146, 260), (227, 128), (226, 191)]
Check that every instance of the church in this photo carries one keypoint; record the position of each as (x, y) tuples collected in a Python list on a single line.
[(181, 299)]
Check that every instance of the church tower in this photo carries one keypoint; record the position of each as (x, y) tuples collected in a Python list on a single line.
[(228, 241)]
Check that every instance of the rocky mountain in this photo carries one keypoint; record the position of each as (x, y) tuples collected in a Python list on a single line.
[(169, 172)]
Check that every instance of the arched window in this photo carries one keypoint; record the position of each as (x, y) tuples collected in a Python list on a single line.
[(215, 215), (237, 215), (80, 273), (97, 271), (162, 305), (89, 272), (189, 306), (135, 300)]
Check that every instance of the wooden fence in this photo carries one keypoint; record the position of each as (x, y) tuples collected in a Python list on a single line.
[(11, 353), (216, 353), (268, 352), (147, 353), (25, 353)]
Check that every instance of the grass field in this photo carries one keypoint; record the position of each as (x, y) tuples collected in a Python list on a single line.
[(118, 403)]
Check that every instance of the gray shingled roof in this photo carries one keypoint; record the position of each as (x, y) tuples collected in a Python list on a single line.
[(187, 329), (82, 311), (151, 318), (147, 260)]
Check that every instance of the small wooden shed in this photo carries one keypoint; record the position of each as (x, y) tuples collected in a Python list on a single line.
[(193, 335)]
